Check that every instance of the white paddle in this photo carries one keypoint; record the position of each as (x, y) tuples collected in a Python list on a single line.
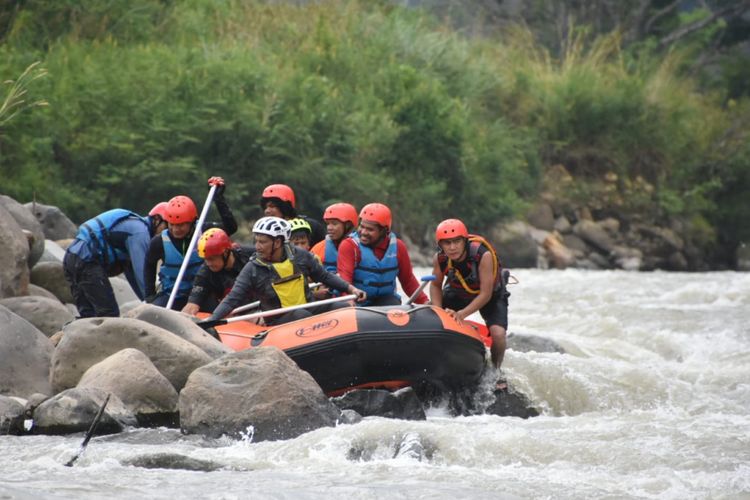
[(193, 241), (273, 312)]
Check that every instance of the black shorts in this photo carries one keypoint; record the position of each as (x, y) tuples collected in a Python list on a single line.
[(494, 312)]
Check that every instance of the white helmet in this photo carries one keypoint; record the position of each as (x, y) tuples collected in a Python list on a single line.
[(273, 226)]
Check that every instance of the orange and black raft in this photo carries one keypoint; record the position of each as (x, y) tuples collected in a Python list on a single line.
[(374, 347)]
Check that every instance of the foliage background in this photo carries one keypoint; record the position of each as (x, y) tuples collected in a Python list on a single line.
[(371, 101)]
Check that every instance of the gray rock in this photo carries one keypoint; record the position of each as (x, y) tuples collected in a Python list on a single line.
[(611, 225), (52, 252), (349, 417), (173, 461), (562, 225), (181, 325), (14, 268), (558, 255), (541, 216), (37, 291), (677, 262), (629, 259), (594, 234), (665, 239), (123, 291), (25, 355), (50, 276), (575, 244), (11, 416), (509, 403), (86, 342), (132, 377), (515, 244), (599, 260), (28, 222), (48, 315), (532, 343), (55, 224), (258, 391), (403, 404), (73, 410)]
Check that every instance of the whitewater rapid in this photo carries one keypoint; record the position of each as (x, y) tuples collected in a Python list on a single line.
[(650, 400)]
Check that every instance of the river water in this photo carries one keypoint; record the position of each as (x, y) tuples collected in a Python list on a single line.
[(651, 400)]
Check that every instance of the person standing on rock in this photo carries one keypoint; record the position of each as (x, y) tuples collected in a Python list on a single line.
[(114, 241), (278, 200), (473, 281), (170, 246), (373, 257), (279, 274), (222, 262)]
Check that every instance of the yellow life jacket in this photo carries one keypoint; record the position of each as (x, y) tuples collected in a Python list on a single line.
[(290, 287)]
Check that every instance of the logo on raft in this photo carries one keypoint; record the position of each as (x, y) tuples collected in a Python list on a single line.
[(317, 328)]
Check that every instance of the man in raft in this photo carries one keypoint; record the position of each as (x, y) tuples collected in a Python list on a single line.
[(474, 282), (278, 200), (112, 242), (278, 275), (222, 262), (170, 247), (373, 257)]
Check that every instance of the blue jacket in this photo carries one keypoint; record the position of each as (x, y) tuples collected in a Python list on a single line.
[(170, 268), (117, 235), (377, 277)]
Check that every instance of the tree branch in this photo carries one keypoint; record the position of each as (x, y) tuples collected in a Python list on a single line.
[(691, 28), (659, 14)]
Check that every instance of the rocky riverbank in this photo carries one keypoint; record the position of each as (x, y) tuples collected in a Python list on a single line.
[(158, 366)]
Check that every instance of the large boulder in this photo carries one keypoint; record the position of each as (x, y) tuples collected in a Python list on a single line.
[(558, 255), (594, 234), (48, 315), (14, 267), (52, 252), (259, 391), (515, 244), (50, 276), (403, 404), (75, 409), (25, 355), (11, 416), (86, 342), (55, 224), (123, 291), (181, 325), (37, 291), (541, 216), (28, 222), (132, 377)]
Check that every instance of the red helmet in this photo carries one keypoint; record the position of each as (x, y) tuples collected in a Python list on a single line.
[(181, 209), (280, 191), (341, 211), (213, 242), (376, 212), (160, 209), (450, 228)]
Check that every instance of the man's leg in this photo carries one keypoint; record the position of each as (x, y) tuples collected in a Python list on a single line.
[(71, 269), (94, 284)]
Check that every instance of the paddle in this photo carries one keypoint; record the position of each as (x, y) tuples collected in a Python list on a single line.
[(89, 433), (425, 281), (273, 312), (256, 304), (193, 241)]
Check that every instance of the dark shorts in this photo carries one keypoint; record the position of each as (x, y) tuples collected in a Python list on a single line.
[(494, 312)]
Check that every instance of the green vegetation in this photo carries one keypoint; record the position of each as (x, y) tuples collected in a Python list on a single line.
[(358, 101)]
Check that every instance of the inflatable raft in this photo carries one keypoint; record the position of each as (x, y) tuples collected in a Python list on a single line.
[(374, 347)]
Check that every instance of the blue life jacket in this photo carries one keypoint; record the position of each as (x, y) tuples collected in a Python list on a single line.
[(96, 233), (377, 277), (331, 257), (170, 268)]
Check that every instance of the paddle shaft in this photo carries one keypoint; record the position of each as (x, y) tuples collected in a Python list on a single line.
[(89, 433), (193, 241), (274, 312), (425, 281), (256, 304)]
